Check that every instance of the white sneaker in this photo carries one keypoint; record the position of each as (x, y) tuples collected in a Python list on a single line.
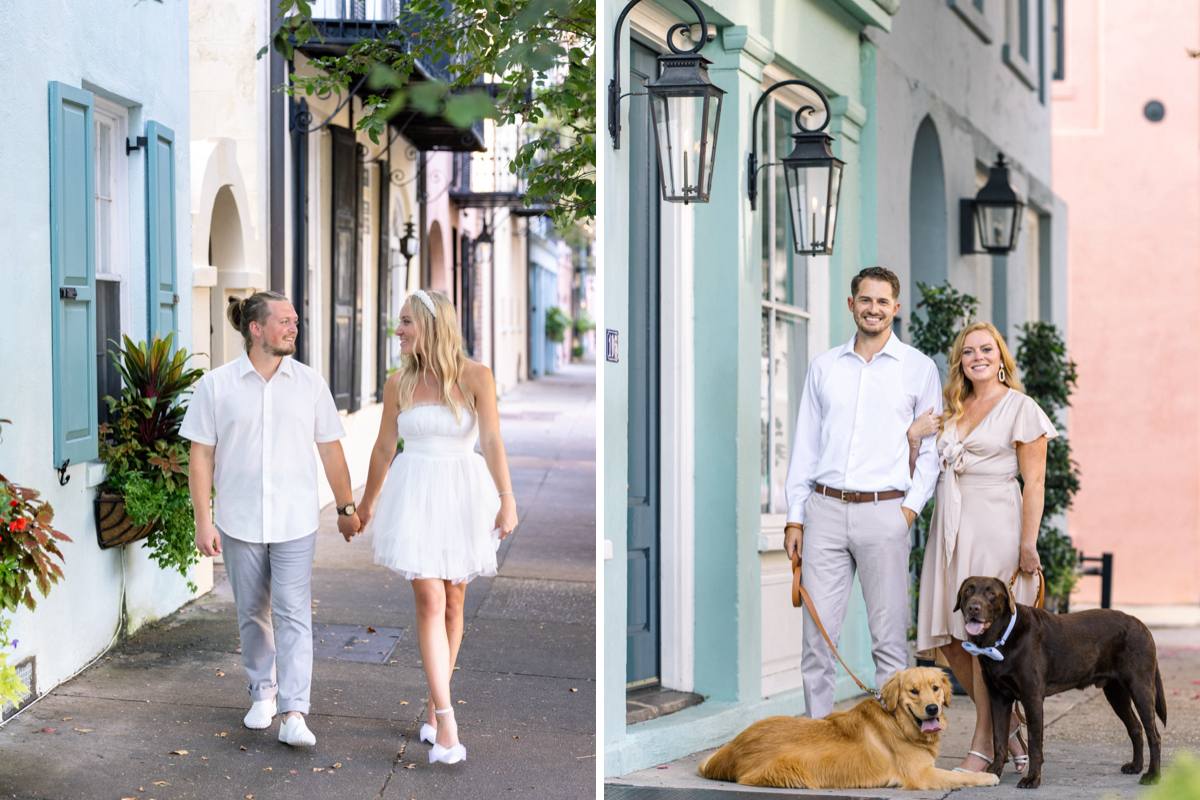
[(260, 714), (293, 731)]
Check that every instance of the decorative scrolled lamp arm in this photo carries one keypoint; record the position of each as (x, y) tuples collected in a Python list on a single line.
[(614, 85), (752, 167)]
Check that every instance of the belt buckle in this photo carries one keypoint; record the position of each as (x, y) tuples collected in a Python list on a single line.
[(843, 497)]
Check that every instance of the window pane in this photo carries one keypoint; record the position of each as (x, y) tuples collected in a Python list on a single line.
[(108, 326), (790, 361)]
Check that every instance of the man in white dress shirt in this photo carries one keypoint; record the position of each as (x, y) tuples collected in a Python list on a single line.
[(252, 424), (851, 500)]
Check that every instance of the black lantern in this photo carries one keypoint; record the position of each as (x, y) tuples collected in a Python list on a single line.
[(995, 214), (408, 242), (685, 107), (485, 235), (813, 175)]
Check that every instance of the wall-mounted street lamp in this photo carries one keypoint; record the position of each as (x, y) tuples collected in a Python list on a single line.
[(408, 243), (995, 213), (813, 175), (685, 108), (485, 235)]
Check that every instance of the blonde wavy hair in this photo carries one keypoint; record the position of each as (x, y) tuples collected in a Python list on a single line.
[(438, 351), (958, 385)]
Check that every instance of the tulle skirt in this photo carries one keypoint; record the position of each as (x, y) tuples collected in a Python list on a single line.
[(435, 517)]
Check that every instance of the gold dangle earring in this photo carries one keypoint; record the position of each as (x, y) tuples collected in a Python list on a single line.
[(1001, 375)]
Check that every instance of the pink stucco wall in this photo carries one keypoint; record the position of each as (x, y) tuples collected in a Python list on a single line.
[(1132, 188)]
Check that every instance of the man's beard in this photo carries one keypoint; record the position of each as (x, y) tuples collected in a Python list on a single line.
[(286, 350)]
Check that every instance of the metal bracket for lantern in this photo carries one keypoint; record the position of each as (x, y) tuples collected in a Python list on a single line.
[(994, 215), (682, 78), (811, 150)]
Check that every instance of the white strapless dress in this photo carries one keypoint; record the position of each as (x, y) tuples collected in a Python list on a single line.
[(438, 505)]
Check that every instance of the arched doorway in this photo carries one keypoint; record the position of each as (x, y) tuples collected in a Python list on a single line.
[(928, 255), (225, 252)]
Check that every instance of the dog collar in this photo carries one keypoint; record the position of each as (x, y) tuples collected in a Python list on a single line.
[(992, 652)]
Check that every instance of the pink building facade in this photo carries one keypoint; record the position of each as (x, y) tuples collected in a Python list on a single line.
[(1126, 159)]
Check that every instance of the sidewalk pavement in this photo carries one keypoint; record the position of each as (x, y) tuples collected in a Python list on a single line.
[(160, 716), (1085, 746)]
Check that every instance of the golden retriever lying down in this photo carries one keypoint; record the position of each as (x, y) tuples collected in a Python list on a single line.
[(871, 746)]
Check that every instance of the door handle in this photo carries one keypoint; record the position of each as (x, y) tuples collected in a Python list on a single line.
[(68, 293)]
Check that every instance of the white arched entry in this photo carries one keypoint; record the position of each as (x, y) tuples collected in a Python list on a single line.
[(226, 258)]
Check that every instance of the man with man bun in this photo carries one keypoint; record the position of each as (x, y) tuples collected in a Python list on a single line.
[(252, 424)]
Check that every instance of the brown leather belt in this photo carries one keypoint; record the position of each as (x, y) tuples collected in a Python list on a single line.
[(858, 497)]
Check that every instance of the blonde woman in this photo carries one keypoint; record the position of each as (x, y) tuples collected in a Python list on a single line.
[(436, 508), (984, 523)]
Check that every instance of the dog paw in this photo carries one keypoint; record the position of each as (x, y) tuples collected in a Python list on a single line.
[(988, 779), (1149, 778), (1132, 768), (1030, 782)]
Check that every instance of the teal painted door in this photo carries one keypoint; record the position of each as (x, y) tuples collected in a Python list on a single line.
[(642, 349), (537, 322)]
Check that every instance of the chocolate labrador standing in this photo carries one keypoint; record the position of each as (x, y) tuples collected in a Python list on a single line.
[(1028, 654)]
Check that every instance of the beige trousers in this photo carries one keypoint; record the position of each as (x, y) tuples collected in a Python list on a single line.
[(840, 538)]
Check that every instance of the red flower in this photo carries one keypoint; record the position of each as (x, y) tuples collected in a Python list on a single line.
[(14, 503), (19, 524)]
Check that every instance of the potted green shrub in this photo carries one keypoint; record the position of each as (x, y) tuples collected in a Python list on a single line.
[(145, 493), (557, 323)]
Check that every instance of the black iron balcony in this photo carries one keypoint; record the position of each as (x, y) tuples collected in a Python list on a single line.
[(343, 23)]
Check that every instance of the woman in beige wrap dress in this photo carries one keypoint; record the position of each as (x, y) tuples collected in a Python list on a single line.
[(984, 523)]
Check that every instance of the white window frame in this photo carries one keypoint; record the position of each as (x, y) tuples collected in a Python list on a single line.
[(772, 522), (120, 263)]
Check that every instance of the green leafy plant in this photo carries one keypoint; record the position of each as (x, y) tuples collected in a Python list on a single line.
[(557, 323), (527, 62), (147, 459), (577, 352), (1180, 779), (28, 549), (584, 322), (1049, 376)]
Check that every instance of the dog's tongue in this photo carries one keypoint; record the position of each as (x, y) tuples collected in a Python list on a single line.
[(974, 627), (931, 726)]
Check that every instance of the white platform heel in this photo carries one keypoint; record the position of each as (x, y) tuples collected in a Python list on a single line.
[(428, 733), (445, 755)]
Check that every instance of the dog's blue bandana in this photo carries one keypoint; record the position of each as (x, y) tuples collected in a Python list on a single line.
[(992, 652)]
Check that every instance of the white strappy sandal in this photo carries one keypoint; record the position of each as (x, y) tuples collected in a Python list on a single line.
[(983, 756), (447, 755)]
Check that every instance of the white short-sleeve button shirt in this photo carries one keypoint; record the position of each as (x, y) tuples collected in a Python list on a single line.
[(266, 470)]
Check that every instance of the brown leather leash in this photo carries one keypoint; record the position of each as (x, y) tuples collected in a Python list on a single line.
[(800, 597), (1040, 602)]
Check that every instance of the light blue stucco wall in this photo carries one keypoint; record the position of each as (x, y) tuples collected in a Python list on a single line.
[(136, 54), (817, 40)]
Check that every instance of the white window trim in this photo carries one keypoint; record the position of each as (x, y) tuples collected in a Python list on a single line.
[(1021, 66), (771, 524), (121, 262)]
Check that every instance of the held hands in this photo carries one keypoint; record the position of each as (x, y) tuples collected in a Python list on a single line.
[(208, 541), (349, 526), (506, 518), (924, 425), (1030, 561)]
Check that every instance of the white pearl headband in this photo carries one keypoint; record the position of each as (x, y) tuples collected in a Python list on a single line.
[(421, 295)]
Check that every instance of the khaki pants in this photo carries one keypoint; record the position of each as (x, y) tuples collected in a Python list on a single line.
[(838, 539)]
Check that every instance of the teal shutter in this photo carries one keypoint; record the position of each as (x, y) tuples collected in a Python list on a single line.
[(73, 273), (163, 298)]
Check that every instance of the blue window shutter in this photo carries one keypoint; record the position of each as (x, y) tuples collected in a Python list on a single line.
[(160, 231), (73, 273)]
